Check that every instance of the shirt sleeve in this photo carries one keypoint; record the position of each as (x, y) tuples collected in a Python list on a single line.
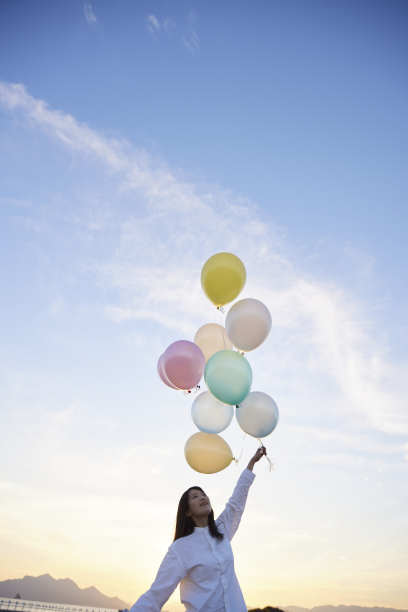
[(231, 516), (171, 571)]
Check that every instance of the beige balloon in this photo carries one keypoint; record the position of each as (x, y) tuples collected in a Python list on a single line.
[(212, 338), (248, 323), (207, 453)]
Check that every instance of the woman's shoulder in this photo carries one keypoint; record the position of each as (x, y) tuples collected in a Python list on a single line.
[(183, 548), (182, 542)]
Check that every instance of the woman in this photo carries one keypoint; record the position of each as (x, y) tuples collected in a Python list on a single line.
[(201, 558)]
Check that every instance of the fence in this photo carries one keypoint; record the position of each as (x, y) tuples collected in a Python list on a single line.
[(23, 605)]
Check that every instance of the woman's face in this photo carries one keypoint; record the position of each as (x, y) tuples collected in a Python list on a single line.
[(198, 504)]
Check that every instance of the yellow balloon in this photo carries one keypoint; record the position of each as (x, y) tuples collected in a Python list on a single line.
[(207, 453), (222, 278), (212, 338)]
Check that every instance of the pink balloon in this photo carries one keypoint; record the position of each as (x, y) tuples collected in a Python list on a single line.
[(162, 374), (183, 364)]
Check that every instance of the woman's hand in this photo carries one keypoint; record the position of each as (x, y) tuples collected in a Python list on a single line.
[(258, 455)]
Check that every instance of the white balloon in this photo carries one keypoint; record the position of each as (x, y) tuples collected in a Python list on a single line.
[(258, 414), (212, 338), (210, 415), (248, 323)]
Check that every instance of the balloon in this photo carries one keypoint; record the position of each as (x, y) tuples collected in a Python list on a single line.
[(183, 364), (209, 414), (162, 373), (248, 323), (258, 414), (222, 278), (212, 338), (207, 453), (228, 376)]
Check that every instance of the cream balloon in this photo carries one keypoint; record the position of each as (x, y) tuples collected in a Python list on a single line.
[(209, 414), (207, 453), (248, 323), (212, 338), (258, 414)]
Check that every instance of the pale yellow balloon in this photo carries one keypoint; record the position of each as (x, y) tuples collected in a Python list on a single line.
[(212, 338), (222, 278), (207, 453)]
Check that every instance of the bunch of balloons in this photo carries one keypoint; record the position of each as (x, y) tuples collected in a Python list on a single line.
[(227, 372)]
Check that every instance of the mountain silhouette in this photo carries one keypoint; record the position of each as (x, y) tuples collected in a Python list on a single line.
[(326, 609), (48, 589), (65, 591), (342, 609)]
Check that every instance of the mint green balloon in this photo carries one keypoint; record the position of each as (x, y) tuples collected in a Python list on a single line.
[(228, 376)]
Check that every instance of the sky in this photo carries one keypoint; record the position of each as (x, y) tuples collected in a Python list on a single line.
[(137, 140)]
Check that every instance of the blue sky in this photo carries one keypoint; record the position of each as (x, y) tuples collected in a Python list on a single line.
[(298, 107), (137, 140)]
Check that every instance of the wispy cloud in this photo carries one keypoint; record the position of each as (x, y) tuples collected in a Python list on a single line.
[(156, 25), (89, 13), (191, 39), (188, 36), (320, 331), (342, 414), (153, 24), (353, 441)]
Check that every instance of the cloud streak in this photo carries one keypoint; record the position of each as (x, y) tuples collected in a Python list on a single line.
[(341, 447), (319, 328), (157, 27), (191, 39), (89, 13), (153, 24), (192, 42)]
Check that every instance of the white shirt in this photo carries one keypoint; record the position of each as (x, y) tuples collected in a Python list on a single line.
[(203, 565)]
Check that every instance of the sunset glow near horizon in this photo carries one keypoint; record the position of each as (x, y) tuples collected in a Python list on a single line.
[(138, 139)]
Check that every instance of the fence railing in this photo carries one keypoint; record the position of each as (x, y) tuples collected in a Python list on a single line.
[(8, 604)]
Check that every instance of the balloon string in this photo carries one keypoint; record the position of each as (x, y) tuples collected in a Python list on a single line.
[(192, 391), (242, 447), (240, 452), (221, 309), (189, 391), (271, 466)]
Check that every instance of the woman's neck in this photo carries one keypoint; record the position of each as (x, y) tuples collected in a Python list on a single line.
[(201, 521)]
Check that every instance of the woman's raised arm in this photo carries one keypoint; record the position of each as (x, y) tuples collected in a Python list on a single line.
[(261, 451), (230, 518)]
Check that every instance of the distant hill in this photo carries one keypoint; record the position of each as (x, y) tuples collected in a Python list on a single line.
[(65, 591), (328, 609), (342, 609)]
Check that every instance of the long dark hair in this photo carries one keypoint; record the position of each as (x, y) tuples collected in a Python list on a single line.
[(185, 524)]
